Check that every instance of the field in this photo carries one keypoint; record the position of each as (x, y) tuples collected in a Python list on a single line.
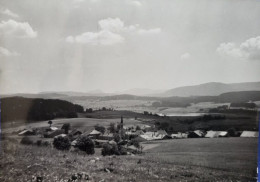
[(226, 159), (227, 154), (83, 124)]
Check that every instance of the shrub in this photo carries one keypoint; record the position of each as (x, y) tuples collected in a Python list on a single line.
[(26, 141), (39, 143), (85, 144), (61, 143), (110, 150), (46, 143)]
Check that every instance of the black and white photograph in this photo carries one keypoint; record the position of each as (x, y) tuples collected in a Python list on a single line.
[(129, 90)]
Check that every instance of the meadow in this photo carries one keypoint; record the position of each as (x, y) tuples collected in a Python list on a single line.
[(227, 159), (237, 156)]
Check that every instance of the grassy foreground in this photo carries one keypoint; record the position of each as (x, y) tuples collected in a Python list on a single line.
[(24, 163)]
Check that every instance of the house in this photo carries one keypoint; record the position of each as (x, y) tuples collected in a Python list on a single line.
[(94, 134), (106, 136), (196, 134), (211, 134), (179, 135), (249, 134), (61, 135), (75, 133), (223, 134), (51, 134), (27, 132)]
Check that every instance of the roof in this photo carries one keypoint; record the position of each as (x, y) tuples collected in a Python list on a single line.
[(198, 132), (211, 134), (95, 132), (53, 128), (23, 132), (249, 134), (75, 131), (61, 135), (162, 132)]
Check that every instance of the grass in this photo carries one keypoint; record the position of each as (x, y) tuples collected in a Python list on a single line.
[(22, 163), (226, 154)]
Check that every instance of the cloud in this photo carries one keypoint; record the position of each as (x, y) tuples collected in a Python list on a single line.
[(5, 52), (9, 13), (185, 56), (103, 37), (250, 49), (17, 29), (112, 31)]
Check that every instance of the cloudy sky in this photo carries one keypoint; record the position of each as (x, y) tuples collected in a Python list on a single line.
[(114, 45)]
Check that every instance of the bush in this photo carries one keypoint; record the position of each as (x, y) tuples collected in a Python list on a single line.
[(26, 141), (61, 143), (39, 143), (85, 144), (110, 150)]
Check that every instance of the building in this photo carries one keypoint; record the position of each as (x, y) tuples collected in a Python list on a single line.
[(249, 134), (94, 134), (196, 134)]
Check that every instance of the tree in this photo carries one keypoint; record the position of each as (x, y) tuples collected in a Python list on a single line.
[(117, 137), (84, 143), (110, 150), (99, 128), (112, 128), (66, 127), (50, 123), (138, 127), (89, 110), (61, 143)]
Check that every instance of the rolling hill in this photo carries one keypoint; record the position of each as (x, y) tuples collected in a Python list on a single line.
[(211, 89)]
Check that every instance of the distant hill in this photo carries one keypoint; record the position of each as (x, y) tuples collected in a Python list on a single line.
[(140, 92), (211, 89)]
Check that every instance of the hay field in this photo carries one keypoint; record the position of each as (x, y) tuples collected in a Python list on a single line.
[(237, 155)]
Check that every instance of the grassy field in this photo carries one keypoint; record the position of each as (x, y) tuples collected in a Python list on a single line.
[(229, 159), (83, 124), (222, 154)]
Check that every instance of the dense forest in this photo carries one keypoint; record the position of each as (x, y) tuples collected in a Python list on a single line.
[(33, 109)]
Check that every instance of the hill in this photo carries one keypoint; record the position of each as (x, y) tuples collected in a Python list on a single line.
[(211, 89), (35, 109)]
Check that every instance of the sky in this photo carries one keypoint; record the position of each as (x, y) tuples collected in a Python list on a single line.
[(115, 45)]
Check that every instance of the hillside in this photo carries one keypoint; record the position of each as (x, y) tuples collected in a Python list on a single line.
[(211, 89), (35, 109)]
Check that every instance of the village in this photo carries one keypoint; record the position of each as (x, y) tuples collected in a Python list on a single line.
[(128, 137)]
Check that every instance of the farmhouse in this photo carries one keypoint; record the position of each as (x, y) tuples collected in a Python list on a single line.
[(179, 135), (94, 134), (51, 134), (249, 134), (27, 132), (196, 134), (106, 136)]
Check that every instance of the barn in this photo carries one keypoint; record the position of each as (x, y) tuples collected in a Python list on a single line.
[(249, 134)]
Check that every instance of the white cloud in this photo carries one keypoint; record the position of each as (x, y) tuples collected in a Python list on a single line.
[(185, 56), (250, 49), (103, 37), (9, 13), (111, 24), (7, 53), (17, 29), (112, 31)]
